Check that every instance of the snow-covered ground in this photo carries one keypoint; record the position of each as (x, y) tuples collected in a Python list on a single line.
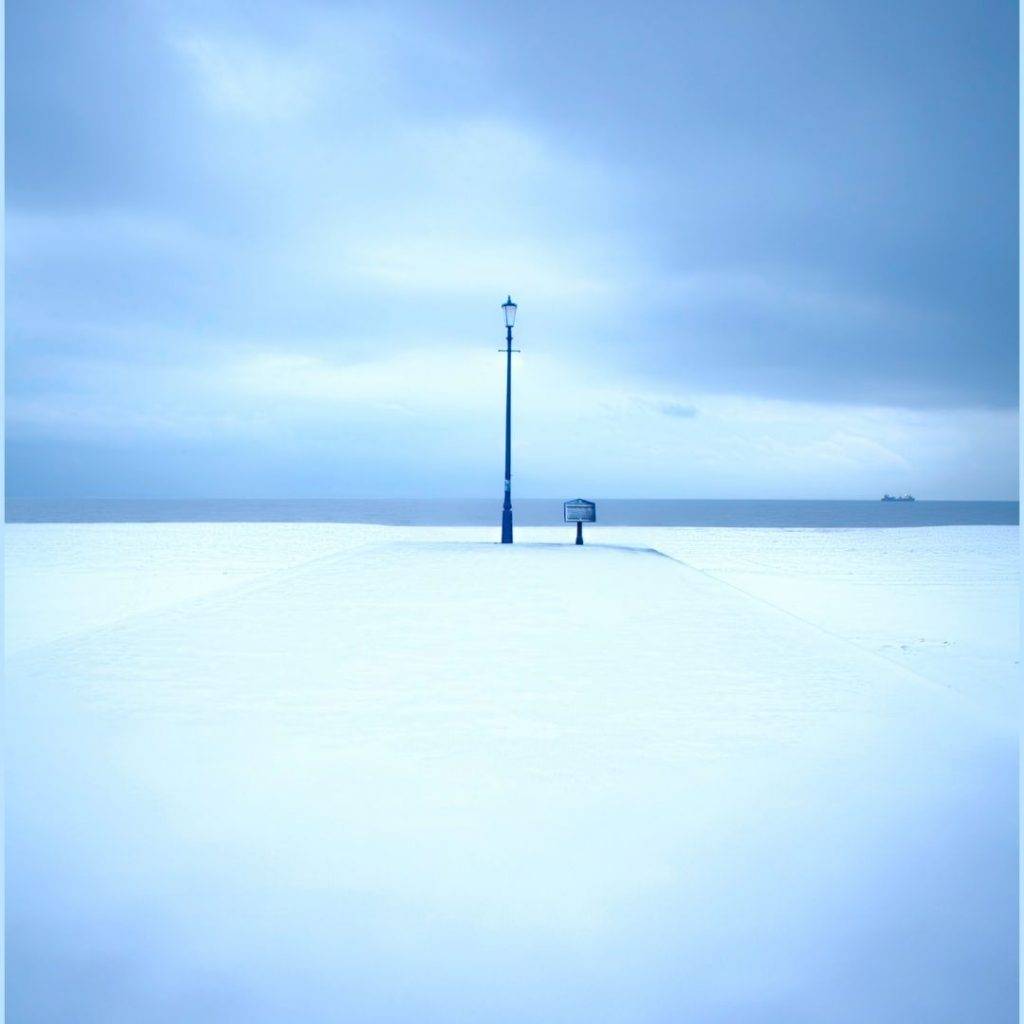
[(322, 772)]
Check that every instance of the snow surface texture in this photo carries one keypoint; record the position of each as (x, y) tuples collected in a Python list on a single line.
[(316, 772)]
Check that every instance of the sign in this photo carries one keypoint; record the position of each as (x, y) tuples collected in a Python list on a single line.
[(579, 511)]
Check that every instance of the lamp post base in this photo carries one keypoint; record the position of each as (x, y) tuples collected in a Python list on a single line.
[(506, 526)]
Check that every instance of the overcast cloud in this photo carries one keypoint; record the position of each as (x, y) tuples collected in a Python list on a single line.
[(762, 250)]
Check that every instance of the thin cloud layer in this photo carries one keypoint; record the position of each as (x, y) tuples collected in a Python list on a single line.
[(236, 227)]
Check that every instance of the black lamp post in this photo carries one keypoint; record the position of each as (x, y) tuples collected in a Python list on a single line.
[(509, 309)]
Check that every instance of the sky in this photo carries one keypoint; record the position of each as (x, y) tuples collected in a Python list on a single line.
[(759, 249)]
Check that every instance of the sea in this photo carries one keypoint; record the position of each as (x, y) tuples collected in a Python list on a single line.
[(527, 512)]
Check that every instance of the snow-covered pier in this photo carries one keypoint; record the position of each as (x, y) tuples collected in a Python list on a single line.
[(430, 777)]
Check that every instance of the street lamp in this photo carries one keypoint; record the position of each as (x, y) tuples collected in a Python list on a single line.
[(508, 307)]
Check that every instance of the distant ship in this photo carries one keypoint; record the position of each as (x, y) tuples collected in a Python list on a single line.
[(902, 497)]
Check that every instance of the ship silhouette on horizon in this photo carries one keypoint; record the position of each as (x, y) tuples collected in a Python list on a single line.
[(902, 497)]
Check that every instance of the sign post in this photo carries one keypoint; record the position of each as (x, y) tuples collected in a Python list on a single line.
[(579, 511)]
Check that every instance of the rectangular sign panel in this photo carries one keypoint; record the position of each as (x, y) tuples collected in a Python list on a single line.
[(579, 511)]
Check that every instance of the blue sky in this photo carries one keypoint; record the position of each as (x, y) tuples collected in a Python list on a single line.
[(760, 250)]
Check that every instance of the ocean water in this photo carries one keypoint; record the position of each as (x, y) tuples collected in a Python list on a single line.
[(527, 512)]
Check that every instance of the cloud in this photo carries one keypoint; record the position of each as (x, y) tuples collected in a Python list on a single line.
[(678, 409), (424, 382), (249, 80), (275, 223), (433, 417)]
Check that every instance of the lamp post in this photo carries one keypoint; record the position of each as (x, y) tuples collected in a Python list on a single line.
[(509, 309)]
